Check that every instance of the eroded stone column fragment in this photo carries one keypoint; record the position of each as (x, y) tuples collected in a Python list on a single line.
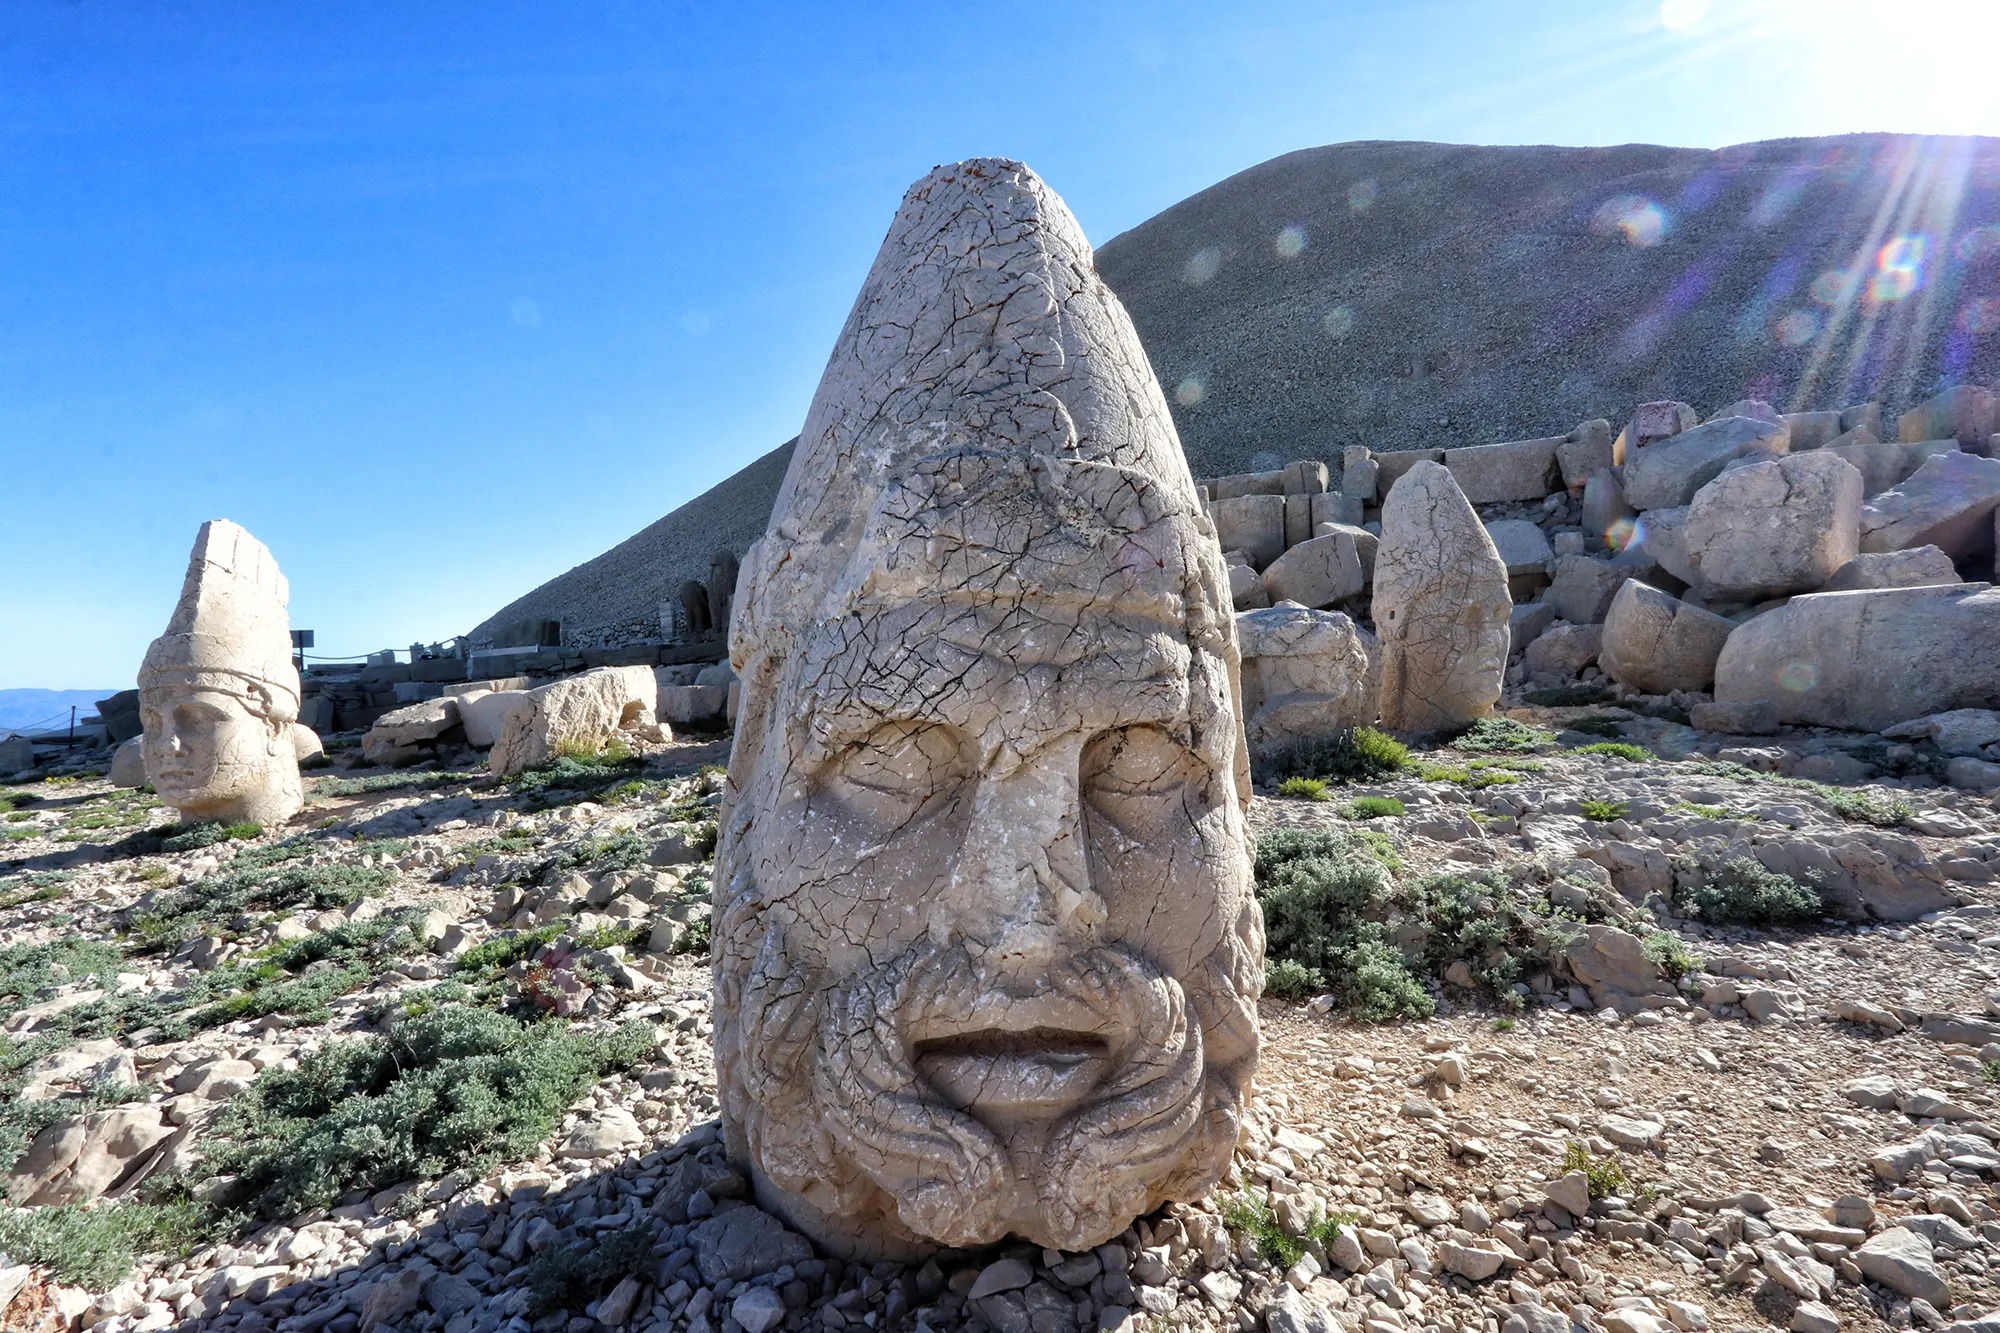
[(987, 955), (1441, 606), (218, 693)]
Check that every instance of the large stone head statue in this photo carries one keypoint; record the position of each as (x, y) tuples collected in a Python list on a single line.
[(987, 957), (218, 694)]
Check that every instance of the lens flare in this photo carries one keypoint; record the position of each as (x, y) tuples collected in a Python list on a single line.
[(1202, 265), (1979, 243), (1190, 391), (1622, 533), (1981, 315), (1798, 676), (1836, 286), (1338, 322), (1899, 268), (1638, 219), (1798, 328), (1361, 195), (1290, 242)]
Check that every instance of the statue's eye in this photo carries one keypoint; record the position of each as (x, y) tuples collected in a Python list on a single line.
[(1137, 777), (898, 772)]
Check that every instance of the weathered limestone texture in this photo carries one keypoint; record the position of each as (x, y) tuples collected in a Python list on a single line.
[(1441, 606), (1305, 673), (1947, 503), (1660, 644), (219, 696), (986, 952), (1776, 527), (1667, 474), (582, 712), (1870, 659)]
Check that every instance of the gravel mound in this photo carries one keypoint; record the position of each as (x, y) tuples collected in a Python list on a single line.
[(1419, 295)]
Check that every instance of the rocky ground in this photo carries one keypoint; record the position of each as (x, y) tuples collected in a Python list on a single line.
[(1797, 1130)]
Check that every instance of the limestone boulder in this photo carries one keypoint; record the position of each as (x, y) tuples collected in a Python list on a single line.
[(1607, 519), (1391, 468), (685, 704), (1947, 503), (1584, 586), (128, 763), (583, 712), (407, 732), (1526, 623), (1252, 524), (1497, 473), (85, 1157), (1523, 547), (1357, 473), (1651, 423), (1322, 571), (1662, 536), (1565, 650), (1441, 606), (1771, 528), (1655, 642), (1584, 452), (1756, 718), (1811, 430), (1916, 567), (1961, 731), (1869, 659), (1612, 964), (1966, 413), (1668, 473), (483, 714), (1883, 466), (1306, 673)]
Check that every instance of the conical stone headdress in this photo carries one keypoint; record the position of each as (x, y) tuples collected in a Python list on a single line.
[(230, 631)]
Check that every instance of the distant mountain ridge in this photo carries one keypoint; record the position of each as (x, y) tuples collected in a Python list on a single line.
[(22, 710), (1416, 295)]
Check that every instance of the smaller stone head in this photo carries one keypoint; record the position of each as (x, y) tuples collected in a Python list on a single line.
[(218, 694)]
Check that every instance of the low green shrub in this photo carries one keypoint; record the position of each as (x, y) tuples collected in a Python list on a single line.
[(1502, 735), (452, 1087), (1860, 806), (1356, 754), (1616, 750), (1602, 811), (1278, 1246), (1287, 980), (1671, 954), (258, 880), (94, 1248), (1610, 728), (31, 973), (1743, 892), (1304, 789), (375, 782), (1476, 775), (1373, 807), (568, 779), (1605, 1175), (623, 851), (569, 1277)]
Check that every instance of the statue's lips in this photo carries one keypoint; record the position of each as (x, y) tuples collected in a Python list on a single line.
[(1043, 1070), (1031, 1057)]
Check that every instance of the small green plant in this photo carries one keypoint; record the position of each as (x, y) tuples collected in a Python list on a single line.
[(375, 782), (1477, 775), (94, 1248), (1671, 954), (456, 1086), (1865, 807), (1616, 750), (1705, 811), (245, 830), (1504, 1023), (1743, 892), (696, 939), (1357, 754), (1281, 1249), (1304, 789), (571, 1277), (1287, 980), (1503, 735), (1990, 1071), (1373, 807), (1602, 811), (1606, 1175)]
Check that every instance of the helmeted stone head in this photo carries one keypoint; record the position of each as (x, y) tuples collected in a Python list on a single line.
[(987, 955), (218, 693)]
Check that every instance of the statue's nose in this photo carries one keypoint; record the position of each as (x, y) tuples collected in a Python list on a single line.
[(1019, 897)]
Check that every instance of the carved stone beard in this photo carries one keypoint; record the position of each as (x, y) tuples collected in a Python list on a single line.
[(876, 1137)]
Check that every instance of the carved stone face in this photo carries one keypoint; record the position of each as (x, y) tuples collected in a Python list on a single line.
[(987, 950), (210, 755)]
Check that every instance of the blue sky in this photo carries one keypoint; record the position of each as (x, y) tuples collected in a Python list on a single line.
[(442, 299)]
